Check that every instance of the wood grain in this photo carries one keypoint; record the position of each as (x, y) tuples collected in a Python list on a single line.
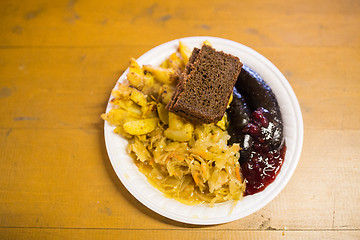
[(59, 61), (129, 234)]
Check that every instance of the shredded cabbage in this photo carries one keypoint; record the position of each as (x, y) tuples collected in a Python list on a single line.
[(190, 163)]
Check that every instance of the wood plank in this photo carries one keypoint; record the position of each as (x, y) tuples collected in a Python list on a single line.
[(61, 87), (200, 234), (59, 61), (260, 23), (50, 178)]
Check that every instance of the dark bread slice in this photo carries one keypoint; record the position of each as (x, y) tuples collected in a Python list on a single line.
[(205, 86)]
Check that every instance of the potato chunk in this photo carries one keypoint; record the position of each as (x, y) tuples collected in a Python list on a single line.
[(141, 126), (163, 113), (179, 129), (163, 75), (185, 52), (180, 135), (137, 77)]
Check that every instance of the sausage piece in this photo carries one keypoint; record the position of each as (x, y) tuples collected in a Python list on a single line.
[(258, 94), (238, 113), (239, 117)]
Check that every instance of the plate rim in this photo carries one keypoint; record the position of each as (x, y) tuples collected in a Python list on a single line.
[(280, 186)]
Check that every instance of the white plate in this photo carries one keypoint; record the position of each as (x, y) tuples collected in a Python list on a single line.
[(142, 190)]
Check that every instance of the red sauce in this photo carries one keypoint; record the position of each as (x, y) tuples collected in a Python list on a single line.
[(264, 163), (262, 169)]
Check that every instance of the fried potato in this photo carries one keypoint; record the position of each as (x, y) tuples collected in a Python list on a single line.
[(149, 110), (137, 77), (163, 75), (163, 113), (126, 92), (128, 105), (138, 97), (180, 135), (175, 121), (174, 62), (120, 130), (179, 129), (230, 100), (165, 93), (222, 123), (116, 116), (185, 52), (206, 42), (141, 126)]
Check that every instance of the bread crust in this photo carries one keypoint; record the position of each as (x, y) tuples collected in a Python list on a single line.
[(204, 88)]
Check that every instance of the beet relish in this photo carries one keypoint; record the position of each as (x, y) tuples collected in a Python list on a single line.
[(264, 163)]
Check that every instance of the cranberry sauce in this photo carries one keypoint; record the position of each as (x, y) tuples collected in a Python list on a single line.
[(264, 162)]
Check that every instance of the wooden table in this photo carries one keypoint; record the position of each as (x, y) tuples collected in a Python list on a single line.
[(59, 61)]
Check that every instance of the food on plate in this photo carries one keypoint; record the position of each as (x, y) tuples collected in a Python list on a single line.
[(204, 89), (190, 162), (201, 126), (256, 124)]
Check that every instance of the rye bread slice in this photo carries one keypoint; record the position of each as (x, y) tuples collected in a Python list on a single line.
[(205, 86)]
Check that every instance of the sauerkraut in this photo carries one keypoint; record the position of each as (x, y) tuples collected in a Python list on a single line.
[(190, 163)]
